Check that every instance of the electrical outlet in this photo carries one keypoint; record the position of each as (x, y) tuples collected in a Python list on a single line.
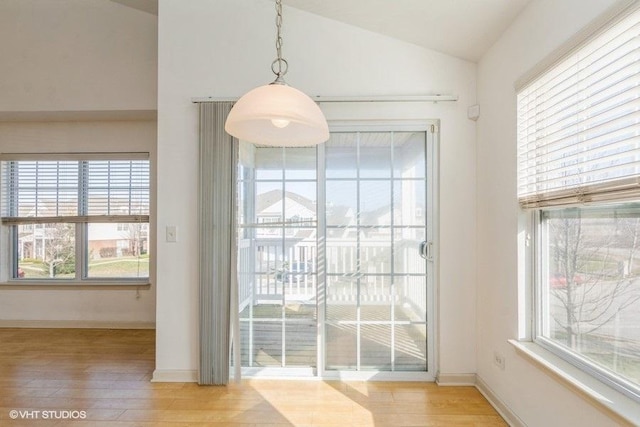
[(498, 360)]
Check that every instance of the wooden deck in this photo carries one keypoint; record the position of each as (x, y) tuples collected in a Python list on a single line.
[(106, 373), (301, 331)]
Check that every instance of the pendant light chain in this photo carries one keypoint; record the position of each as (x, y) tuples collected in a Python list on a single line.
[(280, 65), (277, 114)]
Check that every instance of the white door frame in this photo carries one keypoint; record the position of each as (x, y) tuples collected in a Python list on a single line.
[(431, 128)]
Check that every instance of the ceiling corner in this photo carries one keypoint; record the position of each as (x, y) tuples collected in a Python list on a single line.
[(148, 6)]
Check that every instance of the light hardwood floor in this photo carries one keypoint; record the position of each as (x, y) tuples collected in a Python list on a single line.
[(106, 373)]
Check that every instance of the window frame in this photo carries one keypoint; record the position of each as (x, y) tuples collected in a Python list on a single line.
[(81, 224), (537, 235), (530, 243)]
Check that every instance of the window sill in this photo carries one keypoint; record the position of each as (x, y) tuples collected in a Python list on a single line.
[(69, 284), (613, 403)]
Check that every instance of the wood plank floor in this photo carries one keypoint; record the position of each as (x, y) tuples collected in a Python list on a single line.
[(106, 374)]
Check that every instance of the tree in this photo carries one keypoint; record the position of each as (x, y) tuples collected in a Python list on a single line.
[(592, 279), (59, 248), (136, 235)]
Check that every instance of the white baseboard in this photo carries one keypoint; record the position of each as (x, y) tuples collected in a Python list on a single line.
[(174, 376), (456, 379), (80, 324), (509, 416), (475, 381)]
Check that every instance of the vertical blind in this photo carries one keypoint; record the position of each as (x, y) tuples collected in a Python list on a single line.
[(218, 276), (579, 123), (75, 190)]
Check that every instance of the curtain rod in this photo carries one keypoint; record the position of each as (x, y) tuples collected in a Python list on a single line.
[(381, 98)]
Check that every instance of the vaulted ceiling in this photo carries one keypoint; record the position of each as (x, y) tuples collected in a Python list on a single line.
[(149, 6), (461, 28)]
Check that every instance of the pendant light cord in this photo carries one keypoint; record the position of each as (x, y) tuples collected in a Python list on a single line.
[(280, 65)]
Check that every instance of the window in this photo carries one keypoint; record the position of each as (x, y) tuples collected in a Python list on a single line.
[(578, 175), (77, 217)]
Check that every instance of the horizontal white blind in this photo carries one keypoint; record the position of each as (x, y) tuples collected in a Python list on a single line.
[(40, 188), (117, 187), (579, 123), (75, 219), (73, 156), (75, 191)]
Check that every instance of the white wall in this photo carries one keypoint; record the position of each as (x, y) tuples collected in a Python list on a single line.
[(83, 73), (70, 55), (540, 29), (112, 306), (223, 49)]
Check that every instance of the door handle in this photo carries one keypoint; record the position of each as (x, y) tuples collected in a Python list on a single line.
[(425, 250)]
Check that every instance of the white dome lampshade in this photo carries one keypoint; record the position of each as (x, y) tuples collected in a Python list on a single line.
[(277, 115)]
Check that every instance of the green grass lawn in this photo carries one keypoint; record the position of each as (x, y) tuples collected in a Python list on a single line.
[(106, 267), (120, 267), (600, 267)]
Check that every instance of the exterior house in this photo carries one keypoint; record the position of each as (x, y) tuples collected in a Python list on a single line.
[(107, 240)]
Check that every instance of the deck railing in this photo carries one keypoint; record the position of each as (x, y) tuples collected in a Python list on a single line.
[(268, 272)]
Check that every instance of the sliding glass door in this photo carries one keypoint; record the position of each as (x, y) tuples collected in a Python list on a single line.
[(376, 291), (278, 281), (334, 242)]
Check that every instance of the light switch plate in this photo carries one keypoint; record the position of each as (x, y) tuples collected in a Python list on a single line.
[(171, 233)]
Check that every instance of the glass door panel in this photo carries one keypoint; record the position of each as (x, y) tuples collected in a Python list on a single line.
[(375, 348), (376, 221), (352, 263), (278, 256), (410, 347), (409, 159), (342, 343), (406, 259), (376, 298)]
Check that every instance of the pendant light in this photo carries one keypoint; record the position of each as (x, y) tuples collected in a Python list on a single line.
[(277, 114)]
